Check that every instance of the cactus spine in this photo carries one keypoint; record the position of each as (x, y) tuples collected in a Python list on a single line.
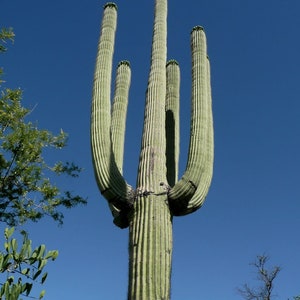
[(148, 210)]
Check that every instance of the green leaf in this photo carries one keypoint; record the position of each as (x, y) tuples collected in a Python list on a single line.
[(37, 254), (52, 254), (41, 251), (26, 288), (44, 277), (37, 274), (1, 260), (42, 294), (25, 271), (33, 257), (2, 291), (11, 267), (8, 232), (6, 262), (26, 248), (7, 246), (10, 280), (42, 264), (14, 245)]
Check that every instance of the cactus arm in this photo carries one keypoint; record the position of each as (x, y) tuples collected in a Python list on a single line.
[(172, 121), (119, 111), (201, 193), (198, 174), (109, 179), (118, 125)]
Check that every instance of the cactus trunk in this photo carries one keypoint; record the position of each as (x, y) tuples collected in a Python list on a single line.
[(148, 210), (151, 225), (150, 249)]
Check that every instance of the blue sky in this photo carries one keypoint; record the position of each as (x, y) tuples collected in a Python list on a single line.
[(254, 201)]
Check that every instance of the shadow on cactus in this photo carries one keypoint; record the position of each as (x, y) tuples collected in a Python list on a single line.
[(149, 208)]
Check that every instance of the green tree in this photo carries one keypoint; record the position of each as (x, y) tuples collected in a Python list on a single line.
[(24, 261), (149, 208), (6, 34), (26, 189)]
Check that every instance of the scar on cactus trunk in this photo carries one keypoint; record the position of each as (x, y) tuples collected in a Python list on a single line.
[(149, 208)]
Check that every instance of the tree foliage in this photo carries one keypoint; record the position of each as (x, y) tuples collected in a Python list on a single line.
[(25, 263), (24, 174), (6, 34), (27, 192)]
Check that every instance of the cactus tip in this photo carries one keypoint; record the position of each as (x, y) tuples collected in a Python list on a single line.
[(197, 28), (124, 62), (111, 5), (172, 62)]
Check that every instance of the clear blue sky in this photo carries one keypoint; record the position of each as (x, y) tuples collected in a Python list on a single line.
[(254, 202)]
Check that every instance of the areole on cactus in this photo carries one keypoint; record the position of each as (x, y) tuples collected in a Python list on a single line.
[(149, 208)]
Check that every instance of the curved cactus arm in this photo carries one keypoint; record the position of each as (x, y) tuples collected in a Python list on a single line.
[(117, 129), (110, 181), (198, 174), (172, 121), (119, 112), (199, 197)]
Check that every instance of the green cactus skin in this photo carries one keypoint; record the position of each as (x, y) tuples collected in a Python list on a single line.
[(148, 210), (107, 164)]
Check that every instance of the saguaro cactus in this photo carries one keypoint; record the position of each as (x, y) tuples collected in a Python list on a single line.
[(149, 208)]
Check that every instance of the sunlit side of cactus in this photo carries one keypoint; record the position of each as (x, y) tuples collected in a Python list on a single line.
[(149, 208)]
